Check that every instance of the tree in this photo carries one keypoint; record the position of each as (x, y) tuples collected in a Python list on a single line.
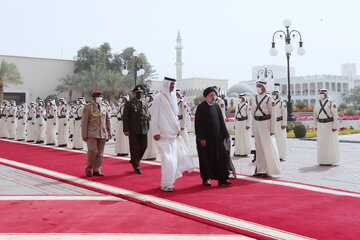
[(353, 98), (301, 104), (67, 84), (198, 100), (9, 74)]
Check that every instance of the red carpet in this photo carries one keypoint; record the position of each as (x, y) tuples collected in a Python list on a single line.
[(75, 216), (307, 213)]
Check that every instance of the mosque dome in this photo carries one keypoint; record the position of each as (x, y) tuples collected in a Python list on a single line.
[(236, 89)]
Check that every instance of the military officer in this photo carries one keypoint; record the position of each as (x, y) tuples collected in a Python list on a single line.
[(95, 130), (151, 150), (327, 123), (242, 127), (51, 116), (281, 124), (3, 127), (11, 120), (183, 116), (71, 120), (21, 122), (31, 127), (121, 141), (220, 102), (77, 138), (62, 123), (136, 126), (40, 122)]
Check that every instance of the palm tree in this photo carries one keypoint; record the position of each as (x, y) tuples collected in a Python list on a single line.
[(9, 74), (94, 79), (113, 84), (67, 84)]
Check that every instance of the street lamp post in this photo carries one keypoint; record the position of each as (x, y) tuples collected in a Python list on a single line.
[(138, 68), (287, 36), (265, 72)]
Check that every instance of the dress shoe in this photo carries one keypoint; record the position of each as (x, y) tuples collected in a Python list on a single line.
[(261, 175), (137, 170), (206, 183), (99, 174), (122, 154), (88, 173), (282, 160), (224, 183)]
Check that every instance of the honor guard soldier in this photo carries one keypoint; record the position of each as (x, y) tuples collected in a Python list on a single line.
[(183, 116), (220, 101), (31, 125), (77, 138), (3, 127), (71, 119), (40, 122), (11, 120), (151, 150), (51, 116), (63, 129), (121, 141), (95, 130), (136, 126), (281, 124), (326, 122), (264, 112), (21, 122), (242, 127)]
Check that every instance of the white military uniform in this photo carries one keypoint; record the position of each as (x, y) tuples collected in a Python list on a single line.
[(281, 120), (221, 104), (326, 119), (77, 137), (71, 121), (21, 123), (113, 119), (63, 126), (242, 135), (51, 116), (267, 155), (40, 123), (151, 150), (3, 127), (121, 141), (183, 119), (31, 126), (11, 120)]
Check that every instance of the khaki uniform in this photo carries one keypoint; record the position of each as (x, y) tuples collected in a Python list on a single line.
[(95, 127)]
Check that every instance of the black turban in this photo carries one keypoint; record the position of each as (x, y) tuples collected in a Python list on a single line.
[(208, 90)]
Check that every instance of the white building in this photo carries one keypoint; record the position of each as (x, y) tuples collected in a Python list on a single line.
[(348, 70), (40, 76), (306, 88)]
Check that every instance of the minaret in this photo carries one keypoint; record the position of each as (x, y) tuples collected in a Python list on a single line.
[(178, 57)]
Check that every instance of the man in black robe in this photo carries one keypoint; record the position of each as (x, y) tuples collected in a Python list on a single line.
[(212, 141)]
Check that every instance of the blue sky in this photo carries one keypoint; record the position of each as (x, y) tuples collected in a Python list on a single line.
[(221, 38)]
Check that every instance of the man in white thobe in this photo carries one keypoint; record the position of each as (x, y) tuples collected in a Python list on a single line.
[(51, 116), (79, 111), (151, 150), (21, 116), (3, 131), (242, 127), (183, 117), (220, 102), (11, 120), (31, 127), (280, 125), (62, 123), (121, 141), (264, 112), (40, 122), (165, 128), (326, 122)]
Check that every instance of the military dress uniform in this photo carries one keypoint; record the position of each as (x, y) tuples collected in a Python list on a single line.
[(21, 123), (280, 126), (121, 141), (62, 123), (11, 120), (327, 123), (51, 117), (136, 123), (183, 117), (151, 150), (31, 125), (77, 138), (40, 123), (95, 130), (242, 128), (3, 129)]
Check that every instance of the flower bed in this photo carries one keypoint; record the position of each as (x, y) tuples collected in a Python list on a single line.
[(311, 133)]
